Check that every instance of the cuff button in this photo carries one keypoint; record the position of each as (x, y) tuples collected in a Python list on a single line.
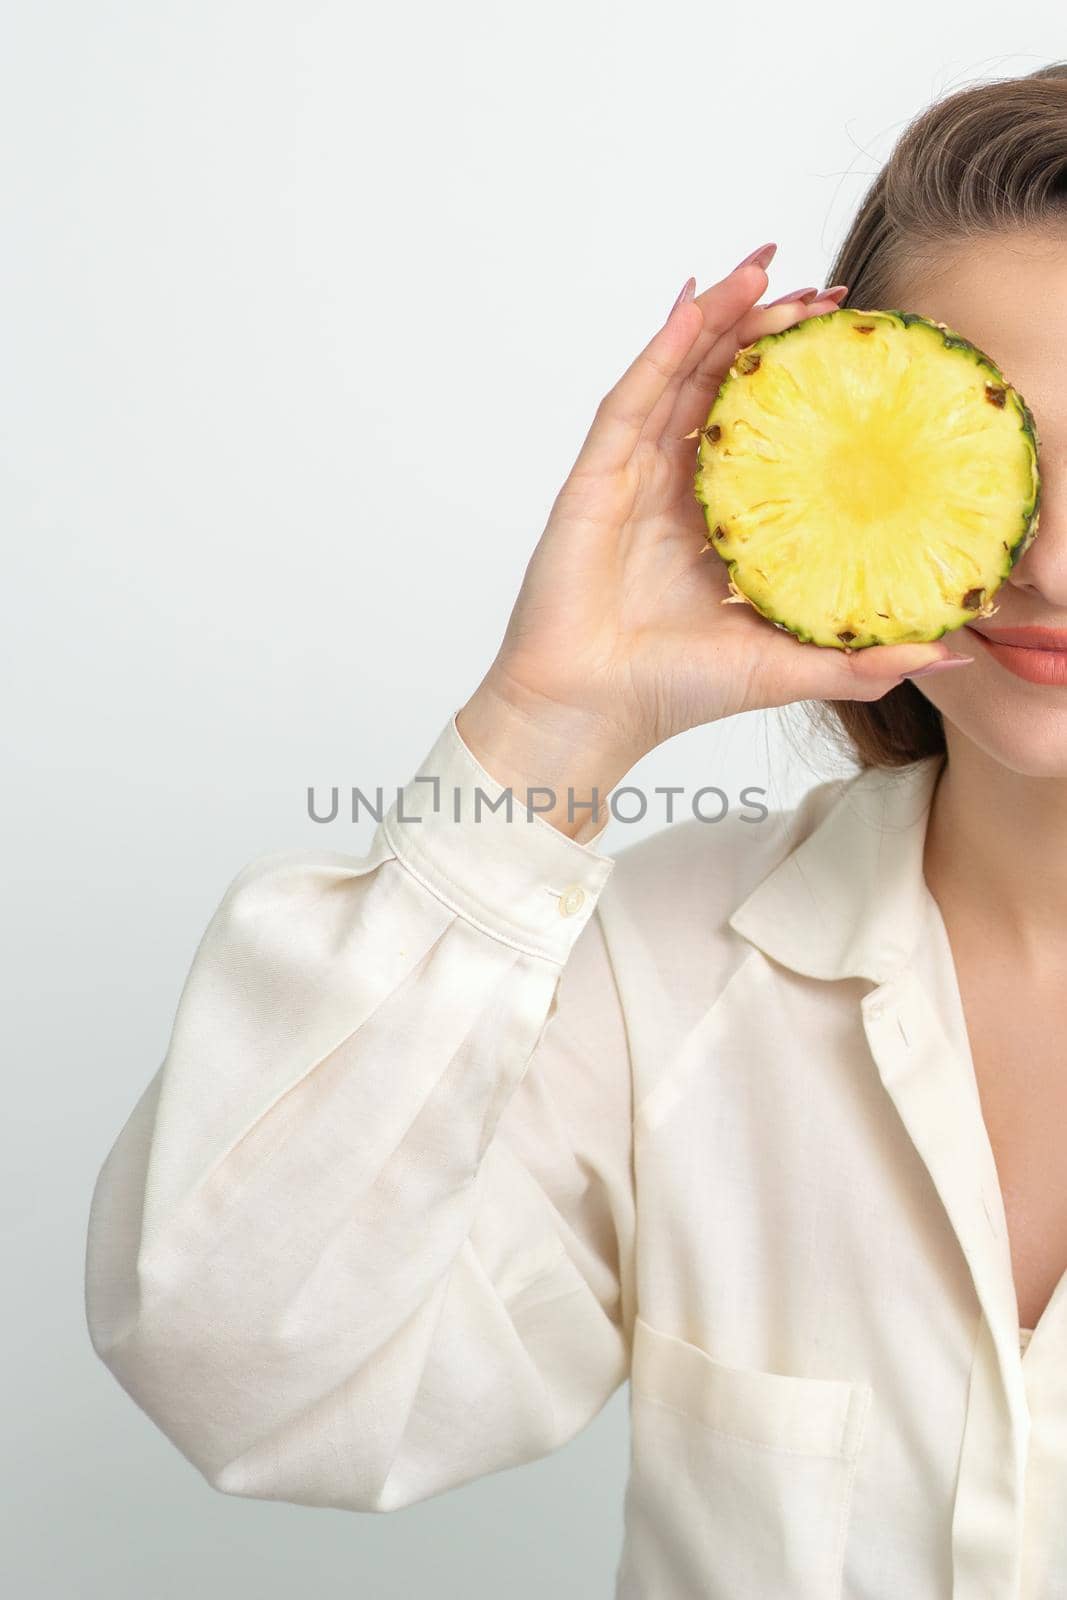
[(571, 900)]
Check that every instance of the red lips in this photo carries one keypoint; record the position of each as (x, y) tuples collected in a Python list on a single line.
[(1028, 638), (1037, 654)]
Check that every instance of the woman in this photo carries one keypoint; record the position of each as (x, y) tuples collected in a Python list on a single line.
[(454, 1138)]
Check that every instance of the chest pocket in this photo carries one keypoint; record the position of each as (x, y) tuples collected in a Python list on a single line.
[(741, 1480)]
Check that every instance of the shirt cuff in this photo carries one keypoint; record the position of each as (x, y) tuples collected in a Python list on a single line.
[(516, 877)]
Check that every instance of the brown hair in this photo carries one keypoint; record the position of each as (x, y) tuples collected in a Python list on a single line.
[(989, 157)]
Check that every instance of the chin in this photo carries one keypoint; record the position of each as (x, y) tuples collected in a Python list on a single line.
[(1012, 710), (1026, 732)]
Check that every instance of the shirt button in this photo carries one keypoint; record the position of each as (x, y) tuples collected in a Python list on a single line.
[(571, 900)]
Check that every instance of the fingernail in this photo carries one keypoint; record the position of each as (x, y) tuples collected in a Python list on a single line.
[(686, 294), (838, 292), (760, 258), (939, 666), (794, 294)]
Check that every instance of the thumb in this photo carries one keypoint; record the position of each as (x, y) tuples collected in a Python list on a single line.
[(881, 666)]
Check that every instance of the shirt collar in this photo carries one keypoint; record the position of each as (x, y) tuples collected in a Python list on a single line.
[(849, 899)]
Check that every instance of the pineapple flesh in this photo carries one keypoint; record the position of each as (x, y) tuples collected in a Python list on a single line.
[(869, 477)]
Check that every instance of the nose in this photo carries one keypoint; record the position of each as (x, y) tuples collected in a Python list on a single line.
[(1041, 573)]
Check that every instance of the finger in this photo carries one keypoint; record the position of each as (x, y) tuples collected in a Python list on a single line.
[(623, 413), (752, 325), (726, 340), (872, 668), (837, 294), (803, 671), (811, 293), (719, 350), (692, 398)]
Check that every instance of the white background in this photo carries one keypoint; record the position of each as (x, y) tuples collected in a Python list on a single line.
[(306, 311)]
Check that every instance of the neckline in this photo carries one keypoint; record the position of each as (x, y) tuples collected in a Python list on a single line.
[(960, 1030)]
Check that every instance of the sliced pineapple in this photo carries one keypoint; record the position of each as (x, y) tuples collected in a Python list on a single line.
[(869, 477)]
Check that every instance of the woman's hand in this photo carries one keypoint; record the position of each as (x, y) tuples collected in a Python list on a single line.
[(618, 639)]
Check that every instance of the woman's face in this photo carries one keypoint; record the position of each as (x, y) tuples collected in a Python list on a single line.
[(1008, 295)]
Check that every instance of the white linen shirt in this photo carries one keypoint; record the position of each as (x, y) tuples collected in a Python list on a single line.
[(453, 1138)]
